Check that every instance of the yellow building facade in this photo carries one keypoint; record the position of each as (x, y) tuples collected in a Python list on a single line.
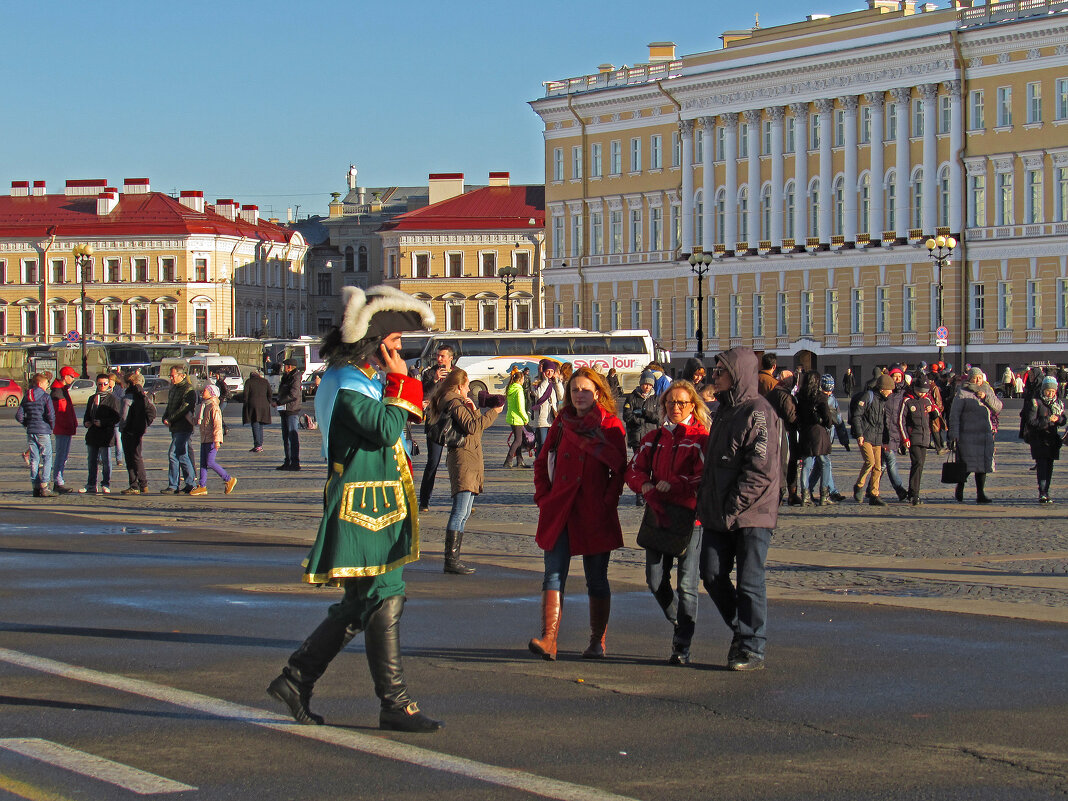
[(813, 161)]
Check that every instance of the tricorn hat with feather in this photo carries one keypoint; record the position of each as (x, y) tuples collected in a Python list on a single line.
[(379, 312)]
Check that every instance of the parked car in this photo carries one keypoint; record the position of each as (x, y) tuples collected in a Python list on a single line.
[(10, 392), (311, 383), (157, 389), (81, 390)]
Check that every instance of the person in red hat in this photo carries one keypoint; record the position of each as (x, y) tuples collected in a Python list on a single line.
[(65, 426)]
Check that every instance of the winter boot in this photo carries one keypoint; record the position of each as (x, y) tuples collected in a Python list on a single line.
[(382, 639), (545, 646), (600, 610), (453, 540), (293, 687)]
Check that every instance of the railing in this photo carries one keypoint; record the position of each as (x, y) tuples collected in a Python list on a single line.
[(1034, 337), (1005, 336), (781, 343), (908, 339), (992, 13), (830, 341), (882, 340), (625, 76), (856, 340), (1062, 335), (976, 337)]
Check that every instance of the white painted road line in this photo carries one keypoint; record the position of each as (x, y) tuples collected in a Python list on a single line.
[(344, 738), (137, 781)]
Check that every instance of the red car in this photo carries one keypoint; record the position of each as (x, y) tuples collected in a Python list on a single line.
[(10, 393)]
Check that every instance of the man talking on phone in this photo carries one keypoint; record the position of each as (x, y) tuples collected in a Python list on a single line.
[(370, 527), (432, 378)]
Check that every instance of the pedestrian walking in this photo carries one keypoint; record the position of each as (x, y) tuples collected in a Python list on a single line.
[(1043, 415), (37, 415), (465, 460), (138, 413), (814, 421), (289, 406), (517, 417), (738, 505), (694, 372), (838, 430), (971, 429), (432, 378), (849, 383), (578, 479), (364, 542), (224, 398), (781, 399), (641, 414), (667, 471), (64, 428), (915, 421), (548, 394), (256, 408), (211, 440), (100, 420), (868, 423), (178, 417)]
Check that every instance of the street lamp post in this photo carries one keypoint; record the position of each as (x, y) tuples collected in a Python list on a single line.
[(83, 258), (941, 250), (507, 274), (700, 263)]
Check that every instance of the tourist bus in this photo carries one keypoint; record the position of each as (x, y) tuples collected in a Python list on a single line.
[(101, 356), (488, 357), (158, 351), (18, 361)]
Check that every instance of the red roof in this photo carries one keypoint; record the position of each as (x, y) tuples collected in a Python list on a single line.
[(511, 207), (150, 214)]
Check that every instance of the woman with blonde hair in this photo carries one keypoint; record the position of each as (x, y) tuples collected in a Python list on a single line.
[(666, 470), (578, 478)]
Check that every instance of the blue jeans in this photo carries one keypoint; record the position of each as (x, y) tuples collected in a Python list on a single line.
[(541, 434), (890, 469), (290, 438), (681, 610), (808, 479), (257, 435), (61, 455), (462, 504), (40, 458), (744, 608), (817, 473), (178, 456), (558, 561), (101, 454)]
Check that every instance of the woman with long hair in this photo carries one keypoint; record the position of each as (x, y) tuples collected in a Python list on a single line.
[(517, 418), (578, 478), (814, 421), (666, 471), (465, 461)]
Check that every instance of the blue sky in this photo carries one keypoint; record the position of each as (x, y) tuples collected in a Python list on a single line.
[(270, 102)]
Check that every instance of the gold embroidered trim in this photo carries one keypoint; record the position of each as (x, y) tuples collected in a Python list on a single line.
[(409, 407), (356, 508), (405, 470)]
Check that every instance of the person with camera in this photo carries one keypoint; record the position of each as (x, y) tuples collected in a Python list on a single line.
[(1043, 415), (432, 378)]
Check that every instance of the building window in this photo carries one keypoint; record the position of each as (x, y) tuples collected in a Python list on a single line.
[(976, 118), (711, 331), (362, 260), (676, 226), (765, 213), (782, 314), (168, 320), (891, 122), (1034, 102), (558, 315), (1060, 98), (656, 229), (743, 140), (865, 203), (558, 164), (522, 262), (59, 320), (1004, 306), (658, 318), (326, 284), (945, 114), (978, 307), (789, 201), (139, 320), (814, 207), (455, 261), (203, 328), (865, 125), (1062, 302), (421, 266), (615, 312), (814, 132), (1034, 198), (576, 235), (977, 206), (656, 156), (595, 160), (139, 270), (636, 154), (615, 158), (839, 127), (917, 117), (487, 314), (558, 238), (1005, 212), (59, 271), (392, 265), (489, 264), (917, 199), (1004, 106), (635, 230), (720, 215), (908, 311), (29, 271), (721, 142), (166, 270), (743, 214), (576, 314), (454, 315), (88, 271), (1060, 194), (935, 321), (595, 315), (765, 138), (839, 206), (758, 316), (806, 313), (576, 162), (3, 280), (831, 312), (698, 145), (201, 268), (596, 233), (615, 222), (30, 325), (882, 309), (943, 197), (635, 313), (112, 320), (856, 311), (698, 214), (676, 149), (789, 137)]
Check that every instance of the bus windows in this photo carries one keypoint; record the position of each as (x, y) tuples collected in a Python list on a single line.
[(478, 348), (515, 346), (551, 346), (624, 344), (591, 346)]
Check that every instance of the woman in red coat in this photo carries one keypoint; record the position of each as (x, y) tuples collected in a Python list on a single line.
[(578, 478)]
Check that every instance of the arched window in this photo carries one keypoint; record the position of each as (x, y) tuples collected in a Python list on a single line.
[(765, 212), (943, 196), (789, 204), (743, 215), (838, 221), (363, 258), (350, 259), (916, 195)]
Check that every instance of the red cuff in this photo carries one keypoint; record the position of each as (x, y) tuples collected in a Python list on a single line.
[(405, 391)]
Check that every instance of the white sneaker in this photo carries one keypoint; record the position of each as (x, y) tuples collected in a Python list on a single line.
[(84, 490), (106, 490)]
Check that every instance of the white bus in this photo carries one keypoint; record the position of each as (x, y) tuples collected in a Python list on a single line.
[(489, 356)]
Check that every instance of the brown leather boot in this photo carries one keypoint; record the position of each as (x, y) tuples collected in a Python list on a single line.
[(545, 646), (600, 609)]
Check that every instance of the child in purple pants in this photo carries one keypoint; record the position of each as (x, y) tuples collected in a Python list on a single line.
[(211, 439)]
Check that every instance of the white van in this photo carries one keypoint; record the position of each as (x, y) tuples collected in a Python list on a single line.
[(203, 365)]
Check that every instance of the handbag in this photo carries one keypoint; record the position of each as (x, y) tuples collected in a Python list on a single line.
[(674, 538), (954, 470), (443, 431)]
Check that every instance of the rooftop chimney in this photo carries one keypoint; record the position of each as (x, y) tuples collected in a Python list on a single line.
[(661, 51), (499, 178), (39, 188), (86, 188), (20, 189), (192, 199), (226, 208), (884, 5), (106, 201), (135, 186), (251, 214), (361, 195), (603, 68), (444, 185)]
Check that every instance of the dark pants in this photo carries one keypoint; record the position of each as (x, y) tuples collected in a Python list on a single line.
[(430, 472), (680, 610), (135, 463), (917, 457), (257, 434), (516, 451), (290, 438), (744, 608), (98, 454), (1044, 474), (558, 563)]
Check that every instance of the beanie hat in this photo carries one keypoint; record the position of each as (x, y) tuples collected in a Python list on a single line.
[(885, 382), (1049, 382), (920, 383), (975, 376), (827, 382), (547, 364), (212, 390), (648, 377)]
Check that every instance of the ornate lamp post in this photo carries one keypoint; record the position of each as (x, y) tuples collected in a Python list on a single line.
[(508, 275), (700, 263), (83, 258), (941, 250)]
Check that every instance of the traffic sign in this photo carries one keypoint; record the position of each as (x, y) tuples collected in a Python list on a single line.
[(941, 332), (73, 336), (941, 343)]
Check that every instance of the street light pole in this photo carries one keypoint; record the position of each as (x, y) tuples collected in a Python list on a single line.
[(83, 258), (507, 274), (944, 246), (700, 262)]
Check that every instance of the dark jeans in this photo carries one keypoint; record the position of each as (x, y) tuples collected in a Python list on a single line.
[(680, 610), (430, 472), (516, 451), (98, 454), (558, 562), (257, 435), (744, 608), (541, 434), (290, 438), (890, 470), (917, 457), (1044, 473), (135, 463)]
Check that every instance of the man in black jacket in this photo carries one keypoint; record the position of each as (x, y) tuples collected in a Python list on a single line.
[(289, 406), (870, 427), (101, 417), (138, 412), (178, 417)]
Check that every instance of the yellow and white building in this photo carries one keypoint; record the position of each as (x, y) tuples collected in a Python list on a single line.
[(813, 160)]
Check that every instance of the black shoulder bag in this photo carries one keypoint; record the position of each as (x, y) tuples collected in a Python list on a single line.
[(674, 538), (444, 431)]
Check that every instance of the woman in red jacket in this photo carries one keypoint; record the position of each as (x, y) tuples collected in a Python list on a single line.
[(578, 478), (667, 469)]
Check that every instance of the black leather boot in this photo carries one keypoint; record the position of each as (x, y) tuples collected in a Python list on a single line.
[(382, 640), (453, 541), (293, 687)]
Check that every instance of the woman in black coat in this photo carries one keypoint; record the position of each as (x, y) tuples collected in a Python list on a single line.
[(814, 420), (1042, 415), (256, 408)]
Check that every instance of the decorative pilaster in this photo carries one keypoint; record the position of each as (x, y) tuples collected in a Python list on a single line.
[(686, 135), (929, 216), (776, 114), (824, 107), (800, 112), (876, 222), (901, 96), (849, 225)]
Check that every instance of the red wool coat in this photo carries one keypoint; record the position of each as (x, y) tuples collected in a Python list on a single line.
[(679, 459), (583, 494)]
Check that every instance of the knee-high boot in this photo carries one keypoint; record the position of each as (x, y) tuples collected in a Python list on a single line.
[(980, 488), (293, 687), (545, 646), (600, 609), (382, 640), (453, 541)]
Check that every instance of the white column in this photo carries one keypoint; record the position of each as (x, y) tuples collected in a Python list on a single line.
[(730, 180), (776, 114), (877, 222), (752, 119), (824, 108), (849, 225), (800, 111), (686, 135), (902, 95), (929, 92), (708, 185), (956, 143)]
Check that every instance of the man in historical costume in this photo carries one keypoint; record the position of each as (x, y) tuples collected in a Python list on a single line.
[(370, 525)]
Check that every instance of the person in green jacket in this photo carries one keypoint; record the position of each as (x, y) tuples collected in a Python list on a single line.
[(517, 417)]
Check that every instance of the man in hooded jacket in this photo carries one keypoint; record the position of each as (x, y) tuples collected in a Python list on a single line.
[(738, 504)]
